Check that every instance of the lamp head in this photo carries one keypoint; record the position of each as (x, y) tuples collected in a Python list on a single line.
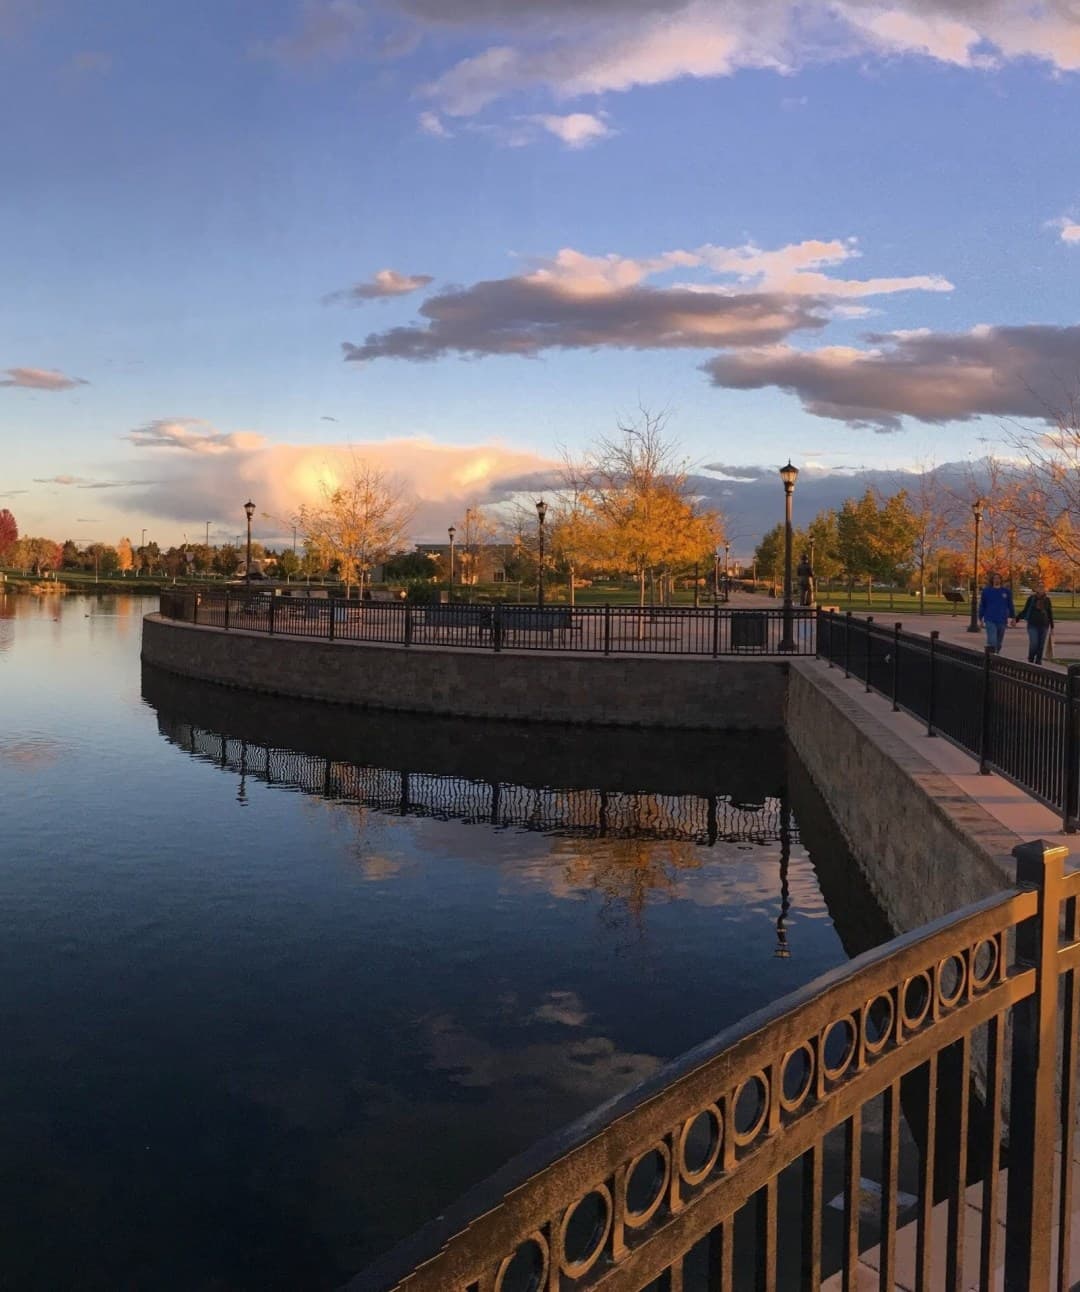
[(451, 531), (977, 508), (789, 474), (541, 510), (249, 508)]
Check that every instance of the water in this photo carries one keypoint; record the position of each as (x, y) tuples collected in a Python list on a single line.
[(277, 982)]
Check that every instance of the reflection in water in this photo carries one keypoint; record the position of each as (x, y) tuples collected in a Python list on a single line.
[(248, 988)]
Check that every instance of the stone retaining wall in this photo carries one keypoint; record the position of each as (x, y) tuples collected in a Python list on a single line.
[(925, 846), (646, 691)]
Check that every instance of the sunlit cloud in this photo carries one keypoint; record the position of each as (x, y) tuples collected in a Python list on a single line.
[(933, 377), (1068, 230), (747, 297), (61, 480), (430, 123), (39, 379), (192, 436), (576, 129), (386, 283)]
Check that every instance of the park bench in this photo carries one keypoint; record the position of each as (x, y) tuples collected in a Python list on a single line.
[(549, 620), (468, 618)]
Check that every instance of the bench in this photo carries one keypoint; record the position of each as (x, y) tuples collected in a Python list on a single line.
[(549, 619), (478, 618)]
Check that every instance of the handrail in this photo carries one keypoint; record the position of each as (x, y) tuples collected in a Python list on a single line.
[(600, 630), (623, 1195)]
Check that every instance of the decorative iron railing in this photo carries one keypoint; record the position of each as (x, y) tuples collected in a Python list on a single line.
[(1017, 719), (598, 630), (913, 1063)]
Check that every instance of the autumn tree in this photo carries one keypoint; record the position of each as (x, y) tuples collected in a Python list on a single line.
[(931, 509), (34, 555), (125, 555), (634, 487), (9, 533), (360, 519), (475, 531)]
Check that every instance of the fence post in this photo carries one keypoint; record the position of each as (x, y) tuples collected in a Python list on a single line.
[(832, 622), (1033, 1104), (1071, 795), (194, 607), (847, 643), (270, 615), (496, 627), (715, 629), (869, 644), (407, 627), (607, 627), (226, 609), (896, 667), (984, 717), (333, 616), (932, 670)]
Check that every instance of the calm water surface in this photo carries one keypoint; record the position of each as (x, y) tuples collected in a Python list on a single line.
[(277, 981)]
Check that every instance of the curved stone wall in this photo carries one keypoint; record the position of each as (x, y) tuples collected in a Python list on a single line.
[(653, 691)]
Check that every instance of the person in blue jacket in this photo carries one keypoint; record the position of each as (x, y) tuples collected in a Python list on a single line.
[(996, 610)]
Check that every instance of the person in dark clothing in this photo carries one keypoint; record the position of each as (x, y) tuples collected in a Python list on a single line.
[(1038, 614), (996, 609)]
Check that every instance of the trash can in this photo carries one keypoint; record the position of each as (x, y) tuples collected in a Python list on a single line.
[(749, 631)]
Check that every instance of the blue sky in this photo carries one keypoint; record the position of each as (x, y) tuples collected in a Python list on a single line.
[(844, 232)]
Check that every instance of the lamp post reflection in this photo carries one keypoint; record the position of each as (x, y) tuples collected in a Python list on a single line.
[(783, 951)]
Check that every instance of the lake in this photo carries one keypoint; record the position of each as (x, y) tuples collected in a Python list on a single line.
[(278, 981)]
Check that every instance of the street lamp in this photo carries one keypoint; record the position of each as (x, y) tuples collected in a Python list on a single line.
[(249, 511), (716, 575), (813, 576), (727, 572), (1012, 547), (451, 531), (977, 512), (788, 474), (541, 512)]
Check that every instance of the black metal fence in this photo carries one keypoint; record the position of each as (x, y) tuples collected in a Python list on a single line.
[(598, 630), (1018, 719)]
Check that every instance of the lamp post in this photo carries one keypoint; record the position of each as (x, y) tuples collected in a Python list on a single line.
[(249, 511), (716, 575), (1012, 547), (207, 543), (727, 572), (451, 531), (977, 512), (541, 512), (788, 474), (813, 576)]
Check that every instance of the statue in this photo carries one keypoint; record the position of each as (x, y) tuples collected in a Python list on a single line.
[(805, 575)]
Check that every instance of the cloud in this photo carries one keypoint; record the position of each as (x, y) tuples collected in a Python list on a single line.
[(1068, 230), (577, 130), (192, 436), (386, 283), (750, 297), (13, 493), (430, 123), (442, 479), (933, 377), (39, 379), (60, 480), (328, 30)]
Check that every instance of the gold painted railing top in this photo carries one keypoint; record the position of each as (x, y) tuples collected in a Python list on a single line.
[(954, 1032)]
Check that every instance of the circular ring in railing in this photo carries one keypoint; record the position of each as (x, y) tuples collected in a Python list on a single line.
[(646, 1182), (840, 1032), (983, 961), (916, 994), (699, 1144), (951, 970), (750, 1104), (584, 1231), (796, 1079), (878, 1017), (526, 1269)]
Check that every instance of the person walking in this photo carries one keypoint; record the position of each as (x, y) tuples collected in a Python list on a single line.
[(1038, 614), (996, 610)]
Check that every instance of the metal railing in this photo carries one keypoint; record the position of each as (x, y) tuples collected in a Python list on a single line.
[(917, 1059), (599, 630), (1017, 719)]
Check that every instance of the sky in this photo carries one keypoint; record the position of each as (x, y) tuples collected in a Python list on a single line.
[(244, 239)]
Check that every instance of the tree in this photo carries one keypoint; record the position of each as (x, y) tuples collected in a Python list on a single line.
[(359, 522), (931, 509), (9, 532), (474, 533), (35, 555), (410, 565), (125, 555), (769, 555), (635, 489)]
